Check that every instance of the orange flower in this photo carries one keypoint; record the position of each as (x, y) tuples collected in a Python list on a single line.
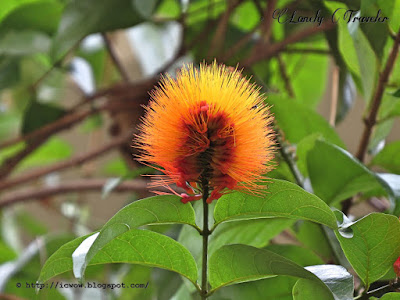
[(207, 127)]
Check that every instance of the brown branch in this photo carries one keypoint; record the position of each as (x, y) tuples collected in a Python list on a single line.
[(274, 49), (69, 187), (52, 128), (334, 95), (307, 50), (220, 32), (379, 292), (370, 121), (36, 138), (114, 58), (285, 77), (76, 161)]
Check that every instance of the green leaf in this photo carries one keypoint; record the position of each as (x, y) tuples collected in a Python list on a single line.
[(336, 175), (374, 247), (135, 246), (42, 16), (239, 263), (389, 157), (83, 17), (276, 288), (376, 33), (305, 123), (307, 290), (308, 74), (154, 210), (347, 95), (10, 72), (6, 253), (256, 233), (281, 199), (390, 296), (313, 237), (145, 8), (8, 6), (53, 150), (48, 113), (301, 256), (169, 8), (356, 50)]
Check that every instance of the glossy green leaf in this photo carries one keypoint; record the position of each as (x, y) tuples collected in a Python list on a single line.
[(390, 296), (336, 175), (305, 123), (301, 256), (135, 246), (374, 247), (239, 263), (154, 210), (277, 288), (83, 17), (307, 290), (43, 16), (281, 199), (389, 157), (256, 233), (8, 6), (376, 33)]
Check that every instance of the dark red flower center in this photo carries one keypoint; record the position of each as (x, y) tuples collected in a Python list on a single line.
[(208, 148)]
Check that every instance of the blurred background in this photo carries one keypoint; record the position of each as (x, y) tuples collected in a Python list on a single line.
[(75, 74)]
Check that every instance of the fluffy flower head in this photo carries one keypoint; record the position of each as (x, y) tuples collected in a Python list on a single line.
[(207, 127)]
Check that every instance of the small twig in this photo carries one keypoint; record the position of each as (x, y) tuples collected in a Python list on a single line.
[(307, 50), (76, 161), (52, 128), (370, 121), (220, 32), (334, 96), (70, 187), (285, 77), (379, 292), (114, 58), (274, 49)]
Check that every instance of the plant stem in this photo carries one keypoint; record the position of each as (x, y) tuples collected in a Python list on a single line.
[(205, 233)]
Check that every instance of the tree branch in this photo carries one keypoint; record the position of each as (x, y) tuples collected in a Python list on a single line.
[(285, 76), (274, 49), (114, 58), (76, 161), (220, 33), (70, 187), (370, 121), (379, 292)]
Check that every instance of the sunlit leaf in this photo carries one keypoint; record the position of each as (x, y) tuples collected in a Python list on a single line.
[(281, 199), (239, 263), (135, 246), (336, 175), (374, 246)]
